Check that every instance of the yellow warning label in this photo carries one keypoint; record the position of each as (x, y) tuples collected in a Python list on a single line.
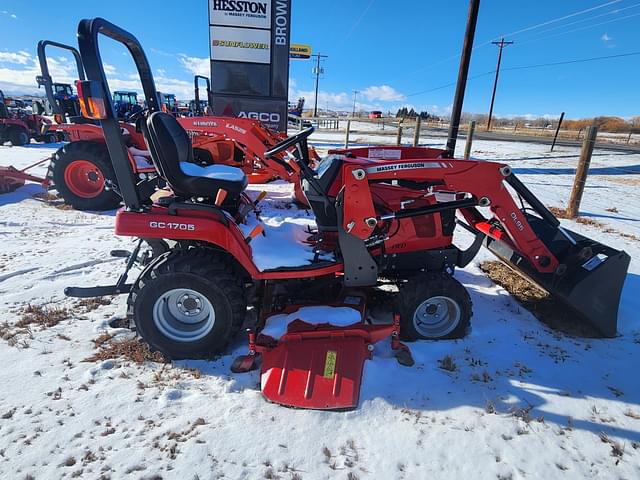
[(330, 364)]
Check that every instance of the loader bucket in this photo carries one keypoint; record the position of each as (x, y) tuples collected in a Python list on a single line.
[(590, 278)]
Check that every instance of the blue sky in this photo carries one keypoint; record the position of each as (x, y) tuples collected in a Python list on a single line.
[(389, 51)]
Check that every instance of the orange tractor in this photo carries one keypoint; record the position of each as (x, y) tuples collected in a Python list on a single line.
[(82, 173)]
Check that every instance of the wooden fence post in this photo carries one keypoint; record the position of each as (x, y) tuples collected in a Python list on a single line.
[(346, 137), (467, 147), (399, 137), (629, 138), (416, 134), (582, 171)]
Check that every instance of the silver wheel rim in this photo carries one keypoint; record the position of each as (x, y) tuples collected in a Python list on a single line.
[(184, 315), (437, 317)]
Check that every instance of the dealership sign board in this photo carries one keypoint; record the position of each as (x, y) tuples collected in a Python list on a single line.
[(249, 48)]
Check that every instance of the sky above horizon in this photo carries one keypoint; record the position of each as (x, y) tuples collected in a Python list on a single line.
[(393, 53)]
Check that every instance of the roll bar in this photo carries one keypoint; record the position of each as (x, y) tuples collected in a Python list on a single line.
[(196, 87), (88, 31), (44, 80)]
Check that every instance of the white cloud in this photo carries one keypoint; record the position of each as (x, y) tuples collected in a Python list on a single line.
[(21, 57), (196, 65), (382, 93), (5, 12), (608, 41), (18, 71)]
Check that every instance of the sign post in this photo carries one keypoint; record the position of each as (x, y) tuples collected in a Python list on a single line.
[(249, 50)]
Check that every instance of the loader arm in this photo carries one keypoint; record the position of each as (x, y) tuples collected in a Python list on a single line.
[(481, 183)]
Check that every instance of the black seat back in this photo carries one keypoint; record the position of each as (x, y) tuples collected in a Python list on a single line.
[(170, 145), (4, 111)]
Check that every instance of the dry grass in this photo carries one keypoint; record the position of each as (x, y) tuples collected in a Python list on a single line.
[(42, 316), (447, 363), (537, 301), (52, 200), (91, 304), (132, 349), (562, 213)]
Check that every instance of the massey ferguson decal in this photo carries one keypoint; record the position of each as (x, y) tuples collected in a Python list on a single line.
[(406, 166), (240, 13)]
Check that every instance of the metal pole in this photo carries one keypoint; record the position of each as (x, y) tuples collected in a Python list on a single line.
[(582, 171), (501, 44), (355, 95), (467, 46), (557, 131), (467, 148)]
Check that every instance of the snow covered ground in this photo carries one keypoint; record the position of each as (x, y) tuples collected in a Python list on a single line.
[(522, 401)]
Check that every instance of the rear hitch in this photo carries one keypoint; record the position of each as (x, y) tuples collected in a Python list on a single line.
[(121, 287)]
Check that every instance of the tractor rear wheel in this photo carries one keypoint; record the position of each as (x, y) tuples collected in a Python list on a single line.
[(188, 304), (79, 171), (49, 138), (433, 306), (18, 137)]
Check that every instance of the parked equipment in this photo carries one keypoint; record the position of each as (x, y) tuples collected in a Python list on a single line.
[(19, 127), (384, 215)]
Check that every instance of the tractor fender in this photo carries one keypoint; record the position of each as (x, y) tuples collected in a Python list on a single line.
[(189, 225)]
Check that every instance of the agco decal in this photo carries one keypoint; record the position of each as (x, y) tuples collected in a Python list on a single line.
[(406, 166), (262, 116), (186, 227)]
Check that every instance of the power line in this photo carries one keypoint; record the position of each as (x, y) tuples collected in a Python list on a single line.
[(357, 22), (566, 62), (559, 19), (580, 28), (517, 32), (612, 12), (525, 67)]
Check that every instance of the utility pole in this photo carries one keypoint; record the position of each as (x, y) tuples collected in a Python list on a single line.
[(501, 44), (355, 95), (317, 71), (465, 58)]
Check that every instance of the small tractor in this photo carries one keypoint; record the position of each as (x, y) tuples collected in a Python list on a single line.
[(384, 215), (19, 127), (126, 104)]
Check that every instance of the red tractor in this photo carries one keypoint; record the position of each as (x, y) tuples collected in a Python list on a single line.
[(82, 173), (385, 215), (19, 128)]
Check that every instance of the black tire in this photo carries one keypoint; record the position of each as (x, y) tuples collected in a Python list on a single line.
[(18, 137), (38, 107), (450, 298), (49, 138), (98, 155), (207, 275)]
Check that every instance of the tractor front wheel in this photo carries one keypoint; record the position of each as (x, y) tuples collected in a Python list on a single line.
[(79, 171), (188, 304), (18, 137), (433, 306)]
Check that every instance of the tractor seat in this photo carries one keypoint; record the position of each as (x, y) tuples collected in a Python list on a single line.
[(172, 155)]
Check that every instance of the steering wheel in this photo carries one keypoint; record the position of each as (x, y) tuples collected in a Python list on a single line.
[(136, 115), (289, 142)]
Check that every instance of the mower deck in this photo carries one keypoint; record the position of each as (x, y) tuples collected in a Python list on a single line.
[(313, 357)]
